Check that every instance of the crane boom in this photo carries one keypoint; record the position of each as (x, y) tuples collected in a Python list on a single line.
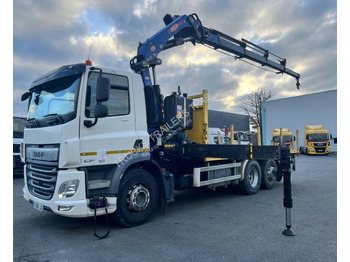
[(185, 28), (188, 28)]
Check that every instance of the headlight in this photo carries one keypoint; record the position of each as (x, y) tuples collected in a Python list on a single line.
[(68, 189)]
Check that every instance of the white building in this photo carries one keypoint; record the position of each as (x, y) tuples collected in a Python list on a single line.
[(297, 112)]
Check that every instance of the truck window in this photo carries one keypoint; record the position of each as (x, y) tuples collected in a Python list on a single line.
[(276, 139), (118, 103), (287, 139), (318, 137), (244, 137)]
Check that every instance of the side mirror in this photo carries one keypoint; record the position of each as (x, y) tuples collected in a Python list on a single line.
[(330, 135), (101, 111), (103, 87), (307, 137), (294, 138), (25, 96)]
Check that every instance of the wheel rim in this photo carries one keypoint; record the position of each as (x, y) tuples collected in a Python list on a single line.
[(138, 198), (271, 173), (253, 177)]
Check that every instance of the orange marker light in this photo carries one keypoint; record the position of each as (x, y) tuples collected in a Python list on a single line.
[(88, 62)]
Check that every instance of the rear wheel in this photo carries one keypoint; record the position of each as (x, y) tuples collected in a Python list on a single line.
[(269, 171), (252, 178), (137, 198)]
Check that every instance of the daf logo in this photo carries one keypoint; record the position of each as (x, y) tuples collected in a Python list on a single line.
[(39, 154)]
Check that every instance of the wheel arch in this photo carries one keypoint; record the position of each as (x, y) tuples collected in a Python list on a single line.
[(139, 161)]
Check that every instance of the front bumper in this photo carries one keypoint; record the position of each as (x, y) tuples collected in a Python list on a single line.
[(318, 150), (78, 204)]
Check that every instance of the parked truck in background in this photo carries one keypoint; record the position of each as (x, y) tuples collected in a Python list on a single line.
[(222, 136), (217, 136), (286, 136), (19, 123), (94, 143), (241, 137), (316, 140)]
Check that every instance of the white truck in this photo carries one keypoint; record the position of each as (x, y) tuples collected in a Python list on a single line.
[(214, 138), (94, 142), (241, 137)]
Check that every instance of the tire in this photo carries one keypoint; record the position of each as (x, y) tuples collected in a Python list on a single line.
[(252, 178), (137, 198), (269, 170)]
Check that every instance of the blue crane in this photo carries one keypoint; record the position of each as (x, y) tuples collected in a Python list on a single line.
[(188, 28)]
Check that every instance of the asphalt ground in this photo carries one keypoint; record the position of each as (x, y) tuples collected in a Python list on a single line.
[(201, 225)]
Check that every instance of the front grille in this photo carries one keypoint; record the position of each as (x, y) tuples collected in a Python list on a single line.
[(41, 180), (320, 144), (320, 149)]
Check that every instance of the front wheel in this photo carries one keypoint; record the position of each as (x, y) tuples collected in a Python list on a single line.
[(137, 198), (252, 178)]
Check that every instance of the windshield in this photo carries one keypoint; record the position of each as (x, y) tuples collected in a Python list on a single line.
[(287, 139), (242, 137), (318, 137), (56, 97), (18, 127), (276, 139)]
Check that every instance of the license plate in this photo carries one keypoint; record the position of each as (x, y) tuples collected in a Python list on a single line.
[(38, 206)]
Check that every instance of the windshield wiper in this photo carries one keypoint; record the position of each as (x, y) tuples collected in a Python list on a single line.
[(58, 117), (32, 122)]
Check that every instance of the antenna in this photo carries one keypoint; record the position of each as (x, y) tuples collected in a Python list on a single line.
[(88, 61), (90, 51)]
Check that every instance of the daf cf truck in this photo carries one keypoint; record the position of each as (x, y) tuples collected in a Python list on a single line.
[(95, 143)]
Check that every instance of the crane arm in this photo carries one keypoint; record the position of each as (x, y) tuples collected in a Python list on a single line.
[(188, 28)]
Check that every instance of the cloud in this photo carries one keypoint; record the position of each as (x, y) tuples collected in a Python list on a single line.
[(48, 34)]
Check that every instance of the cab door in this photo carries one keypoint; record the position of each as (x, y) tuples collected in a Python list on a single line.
[(114, 136)]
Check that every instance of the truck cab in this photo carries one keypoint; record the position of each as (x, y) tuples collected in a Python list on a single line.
[(214, 138), (286, 136), (72, 132), (316, 140)]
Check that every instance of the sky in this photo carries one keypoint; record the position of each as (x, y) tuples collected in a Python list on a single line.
[(48, 34)]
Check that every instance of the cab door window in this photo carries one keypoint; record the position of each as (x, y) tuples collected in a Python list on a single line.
[(119, 100)]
